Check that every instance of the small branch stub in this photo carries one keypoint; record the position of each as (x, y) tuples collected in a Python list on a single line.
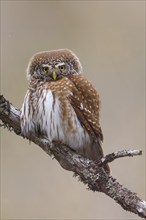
[(122, 153)]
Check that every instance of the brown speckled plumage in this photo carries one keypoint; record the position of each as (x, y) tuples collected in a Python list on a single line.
[(64, 106)]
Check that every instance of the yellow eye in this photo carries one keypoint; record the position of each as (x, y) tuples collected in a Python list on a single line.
[(62, 67), (45, 69)]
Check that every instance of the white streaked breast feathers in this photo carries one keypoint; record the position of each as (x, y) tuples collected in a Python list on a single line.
[(42, 113)]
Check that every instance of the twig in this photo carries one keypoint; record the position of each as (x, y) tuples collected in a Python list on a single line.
[(89, 172), (122, 153)]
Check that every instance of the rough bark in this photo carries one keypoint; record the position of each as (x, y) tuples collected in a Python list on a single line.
[(88, 171)]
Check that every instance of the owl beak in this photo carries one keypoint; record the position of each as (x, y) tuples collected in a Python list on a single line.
[(54, 75)]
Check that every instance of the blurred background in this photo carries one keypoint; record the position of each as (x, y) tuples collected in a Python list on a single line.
[(109, 39)]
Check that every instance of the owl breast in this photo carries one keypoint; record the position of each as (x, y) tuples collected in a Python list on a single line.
[(51, 115)]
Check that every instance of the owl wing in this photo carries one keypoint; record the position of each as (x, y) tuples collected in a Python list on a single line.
[(85, 102)]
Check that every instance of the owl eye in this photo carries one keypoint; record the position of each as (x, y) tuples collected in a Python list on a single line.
[(62, 67), (45, 69)]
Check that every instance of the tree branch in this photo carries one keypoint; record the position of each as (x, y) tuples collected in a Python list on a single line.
[(122, 153), (89, 172)]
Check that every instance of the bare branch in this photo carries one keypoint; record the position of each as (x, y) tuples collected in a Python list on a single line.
[(89, 172), (122, 153)]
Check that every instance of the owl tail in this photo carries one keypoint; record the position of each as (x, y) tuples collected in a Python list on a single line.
[(95, 152)]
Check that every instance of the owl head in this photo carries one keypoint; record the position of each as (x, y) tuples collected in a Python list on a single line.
[(53, 65)]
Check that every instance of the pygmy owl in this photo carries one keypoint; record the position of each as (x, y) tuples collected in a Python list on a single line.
[(61, 104)]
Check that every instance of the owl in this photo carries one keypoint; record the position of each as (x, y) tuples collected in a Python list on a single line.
[(61, 104)]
